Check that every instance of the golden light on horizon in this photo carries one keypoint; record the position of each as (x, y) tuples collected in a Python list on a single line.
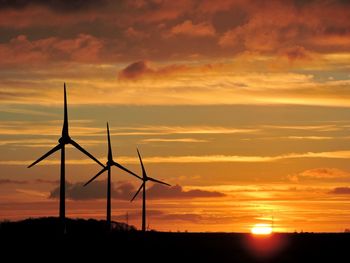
[(261, 229)]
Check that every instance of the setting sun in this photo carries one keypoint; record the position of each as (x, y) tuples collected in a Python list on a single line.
[(261, 229)]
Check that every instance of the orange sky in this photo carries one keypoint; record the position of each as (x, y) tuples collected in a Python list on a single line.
[(243, 106)]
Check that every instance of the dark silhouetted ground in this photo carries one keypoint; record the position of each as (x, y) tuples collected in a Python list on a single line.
[(89, 240)]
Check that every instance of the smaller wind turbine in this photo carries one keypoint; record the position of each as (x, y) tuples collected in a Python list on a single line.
[(109, 164), (145, 178)]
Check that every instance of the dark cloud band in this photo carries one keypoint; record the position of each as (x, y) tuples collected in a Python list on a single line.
[(56, 5)]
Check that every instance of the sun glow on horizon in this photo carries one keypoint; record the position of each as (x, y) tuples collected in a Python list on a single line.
[(261, 229)]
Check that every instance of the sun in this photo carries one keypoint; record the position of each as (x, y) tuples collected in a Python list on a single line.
[(261, 229)]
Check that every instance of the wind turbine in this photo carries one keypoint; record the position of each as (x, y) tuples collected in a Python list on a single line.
[(109, 164), (65, 139), (145, 178)]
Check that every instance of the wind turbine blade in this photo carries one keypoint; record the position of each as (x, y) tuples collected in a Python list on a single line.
[(137, 192), (157, 181), (143, 168), (56, 148), (65, 121), (109, 144), (93, 178), (126, 170), (76, 145)]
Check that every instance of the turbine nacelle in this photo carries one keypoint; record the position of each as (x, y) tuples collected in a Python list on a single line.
[(65, 140)]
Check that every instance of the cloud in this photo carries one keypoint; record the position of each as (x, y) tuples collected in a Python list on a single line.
[(320, 128), (82, 48), (126, 190), (327, 173), (163, 216), (308, 137), (320, 173), (159, 191), (141, 69), (95, 190), (135, 70), (187, 28), (45, 181), (186, 217), (20, 182), (199, 158), (230, 27), (296, 53), (10, 181), (185, 140), (131, 32), (272, 26), (56, 5), (341, 190)]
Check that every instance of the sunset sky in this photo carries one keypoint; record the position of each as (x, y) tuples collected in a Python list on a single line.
[(242, 106)]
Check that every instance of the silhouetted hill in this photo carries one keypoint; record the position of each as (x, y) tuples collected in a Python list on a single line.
[(88, 240), (52, 226)]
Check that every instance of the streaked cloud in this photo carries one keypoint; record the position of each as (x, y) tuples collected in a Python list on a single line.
[(187, 28), (10, 181), (324, 128), (21, 182), (168, 130), (319, 174), (84, 128), (326, 173), (126, 190), (158, 191), (95, 190), (142, 69), (201, 158), (340, 191), (185, 140), (309, 138)]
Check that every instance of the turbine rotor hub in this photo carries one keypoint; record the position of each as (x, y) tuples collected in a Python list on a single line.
[(64, 140)]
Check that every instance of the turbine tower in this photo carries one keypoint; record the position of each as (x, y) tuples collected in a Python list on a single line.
[(65, 139), (109, 164), (145, 178)]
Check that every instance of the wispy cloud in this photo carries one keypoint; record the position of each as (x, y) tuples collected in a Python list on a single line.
[(19, 182), (324, 128), (168, 130), (185, 140), (26, 111), (84, 128), (125, 191), (201, 158), (317, 138), (43, 143), (341, 191), (32, 192), (10, 181), (320, 174), (51, 127)]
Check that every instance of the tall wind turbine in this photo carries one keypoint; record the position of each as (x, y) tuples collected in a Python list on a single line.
[(65, 139), (145, 178), (109, 164)]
